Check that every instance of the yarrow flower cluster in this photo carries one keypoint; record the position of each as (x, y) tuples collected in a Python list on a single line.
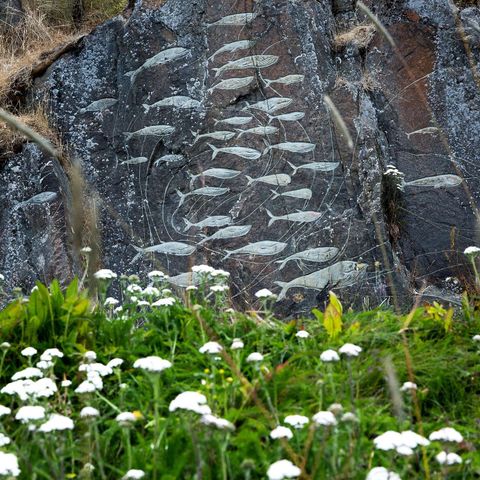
[(152, 364), (403, 442), (190, 401), (283, 469)]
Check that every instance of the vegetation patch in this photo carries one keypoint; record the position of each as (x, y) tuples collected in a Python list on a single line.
[(159, 385)]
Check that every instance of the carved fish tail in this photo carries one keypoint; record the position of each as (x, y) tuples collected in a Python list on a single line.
[(188, 224), (275, 194), (273, 218), (182, 197), (146, 107), (215, 150), (140, 253), (283, 293), (249, 179), (294, 168), (227, 255)]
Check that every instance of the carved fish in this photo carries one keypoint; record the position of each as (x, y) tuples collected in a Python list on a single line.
[(99, 105), (208, 191), (303, 193), (258, 131), (222, 135), (263, 248), (169, 159), (168, 248), (236, 121), (232, 84), (294, 147), (222, 173), (279, 179), (233, 47), (135, 161), (438, 181), (185, 279), (316, 166), (299, 216), (165, 56), (253, 61), (38, 199), (286, 117), (329, 276), (234, 20), (154, 131), (317, 255), (177, 101), (288, 80), (214, 221), (228, 232), (271, 105), (244, 152), (425, 131)]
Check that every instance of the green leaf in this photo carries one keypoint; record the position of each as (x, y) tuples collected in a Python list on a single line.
[(332, 319), (72, 289), (318, 314)]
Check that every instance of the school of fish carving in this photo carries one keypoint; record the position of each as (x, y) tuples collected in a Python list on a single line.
[(261, 134)]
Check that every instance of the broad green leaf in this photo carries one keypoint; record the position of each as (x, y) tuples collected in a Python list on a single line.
[(332, 319)]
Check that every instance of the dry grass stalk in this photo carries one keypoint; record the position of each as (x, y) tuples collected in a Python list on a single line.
[(359, 36), (376, 21), (338, 119), (34, 126)]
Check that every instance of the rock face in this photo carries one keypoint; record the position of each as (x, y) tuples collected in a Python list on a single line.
[(202, 128)]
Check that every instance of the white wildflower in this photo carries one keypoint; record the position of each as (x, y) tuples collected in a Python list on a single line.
[(381, 473), (126, 418), (133, 474), (265, 293), (335, 408), (283, 469), (164, 302), (302, 334), (151, 291), (44, 364), (56, 423), (66, 383), (166, 292), (50, 353), (325, 418), (296, 421), (86, 250), (281, 432), (329, 356), (4, 411), (219, 288), (114, 363), (191, 288), (408, 387), (471, 251), (105, 274), (30, 413), (476, 338), (446, 434), (202, 269), (220, 273), (192, 401), (86, 387), (444, 458), (89, 412), (111, 302), (143, 303), (211, 347), (350, 350), (29, 352), (237, 344), (4, 440), (349, 417), (9, 465), (30, 372), (5, 346), (90, 356), (255, 357), (44, 388), (100, 368), (220, 423), (134, 289), (152, 364), (156, 275)]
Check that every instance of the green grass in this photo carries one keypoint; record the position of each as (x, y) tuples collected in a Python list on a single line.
[(254, 397)]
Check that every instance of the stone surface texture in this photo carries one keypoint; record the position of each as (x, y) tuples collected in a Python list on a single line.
[(150, 185)]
